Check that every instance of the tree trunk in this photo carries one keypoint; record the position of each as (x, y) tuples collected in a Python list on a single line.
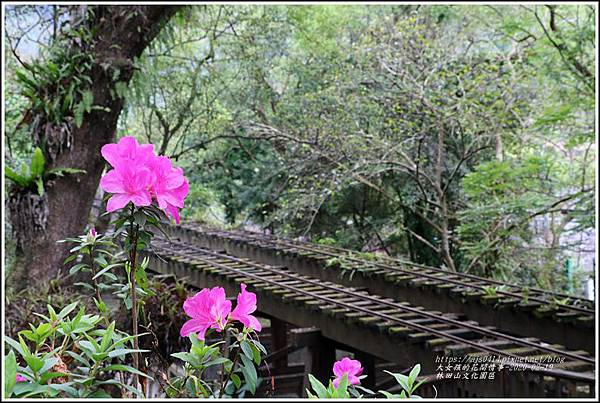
[(121, 33)]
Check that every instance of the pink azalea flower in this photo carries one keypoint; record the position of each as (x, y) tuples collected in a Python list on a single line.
[(246, 304), (170, 186), (93, 232), (128, 183), (127, 152), (208, 309), (139, 175), (173, 211), (352, 368), (181, 192), (21, 378)]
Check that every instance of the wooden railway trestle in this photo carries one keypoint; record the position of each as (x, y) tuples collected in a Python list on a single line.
[(535, 314), (375, 327)]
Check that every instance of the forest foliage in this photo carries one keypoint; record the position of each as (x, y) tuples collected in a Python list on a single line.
[(455, 136)]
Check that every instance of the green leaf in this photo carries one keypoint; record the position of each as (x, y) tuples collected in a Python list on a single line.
[(126, 368), (27, 389), (40, 186), (342, 388), (139, 218), (247, 350), (78, 113), (48, 363), (317, 386), (44, 330), (100, 304), (258, 345), (15, 177), (52, 312), (85, 285), (124, 351), (412, 376), (78, 357), (29, 335), (14, 344), (107, 338), (22, 76), (98, 357), (366, 390), (101, 260), (105, 269), (331, 390), (249, 372), (10, 373), (25, 173), (256, 354), (38, 163), (187, 357), (354, 393), (91, 340), (124, 340), (236, 380), (87, 347), (389, 395), (24, 348), (401, 379), (100, 394), (63, 171), (87, 98), (217, 361), (35, 363), (64, 387), (76, 248), (51, 375), (70, 258), (77, 268)]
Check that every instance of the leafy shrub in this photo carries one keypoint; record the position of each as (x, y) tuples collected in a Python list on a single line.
[(68, 356)]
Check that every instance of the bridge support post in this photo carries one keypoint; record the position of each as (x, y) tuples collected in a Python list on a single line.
[(279, 340), (319, 355), (322, 358)]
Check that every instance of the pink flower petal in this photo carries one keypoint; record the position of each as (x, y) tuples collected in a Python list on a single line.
[(352, 368), (127, 151), (174, 212), (246, 304), (117, 201), (140, 175), (141, 199), (141, 178), (194, 326), (112, 182), (110, 152), (174, 178), (183, 190), (208, 308), (253, 323), (197, 305)]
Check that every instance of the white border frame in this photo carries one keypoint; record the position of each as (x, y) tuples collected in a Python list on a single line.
[(341, 3)]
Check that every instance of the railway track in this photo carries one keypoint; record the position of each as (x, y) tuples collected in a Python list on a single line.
[(531, 312), (402, 328), (472, 282)]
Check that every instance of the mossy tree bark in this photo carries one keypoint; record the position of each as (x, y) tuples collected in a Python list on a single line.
[(118, 34)]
